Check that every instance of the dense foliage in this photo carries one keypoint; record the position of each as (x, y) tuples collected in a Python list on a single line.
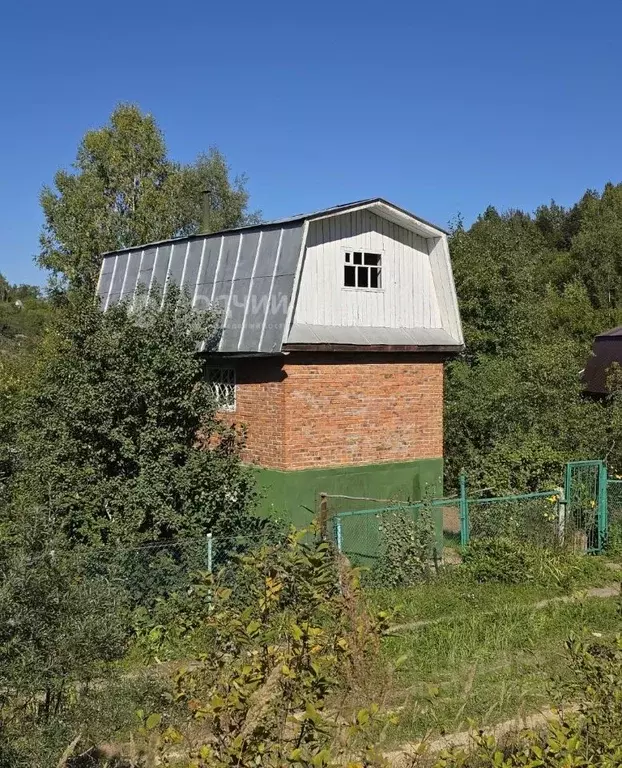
[(533, 292), (117, 438), (125, 191)]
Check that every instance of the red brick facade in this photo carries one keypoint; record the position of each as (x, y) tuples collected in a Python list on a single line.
[(323, 410)]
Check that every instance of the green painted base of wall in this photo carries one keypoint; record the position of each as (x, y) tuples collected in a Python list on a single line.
[(293, 496)]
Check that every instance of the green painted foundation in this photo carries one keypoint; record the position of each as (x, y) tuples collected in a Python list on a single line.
[(294, 496)]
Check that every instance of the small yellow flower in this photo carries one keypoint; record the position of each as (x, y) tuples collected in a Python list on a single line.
[(552, 499), (592, 503)]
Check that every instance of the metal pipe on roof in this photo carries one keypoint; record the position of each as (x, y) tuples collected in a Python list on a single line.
[(206, 218)]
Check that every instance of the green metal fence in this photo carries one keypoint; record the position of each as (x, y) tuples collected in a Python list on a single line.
[(361, 534), (614, 512), (576, 516)]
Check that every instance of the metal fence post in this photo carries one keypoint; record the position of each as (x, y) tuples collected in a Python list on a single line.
[(338, 534), (323, 516), (464, 511), (210, 539), (603, 510)]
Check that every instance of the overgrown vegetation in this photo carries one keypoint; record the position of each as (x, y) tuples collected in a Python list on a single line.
[(587, 734), (533, 292), (407, 552), (114, 468), (282, 681)]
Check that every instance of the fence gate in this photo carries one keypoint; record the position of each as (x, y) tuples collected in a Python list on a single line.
[(585, 490)]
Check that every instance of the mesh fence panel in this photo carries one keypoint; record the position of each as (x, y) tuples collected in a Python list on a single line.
[(537, 519), (154, 570), (614, 505)]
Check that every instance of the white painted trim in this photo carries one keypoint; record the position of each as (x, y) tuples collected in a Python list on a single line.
[(196, 287), (140, 266), (276, 264), (183, 271), (376, 252), (222, 242), (127, 269), (155, 261), (114, 272), (235, 271), (296, 285), (166, 275), (250, 288), (405, 220)]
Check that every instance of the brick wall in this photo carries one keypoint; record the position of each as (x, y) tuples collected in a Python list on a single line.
[(362, 410), (324, 410), (260, 406)]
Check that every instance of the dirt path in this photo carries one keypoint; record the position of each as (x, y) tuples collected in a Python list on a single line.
[(611, 590), (403, 757)]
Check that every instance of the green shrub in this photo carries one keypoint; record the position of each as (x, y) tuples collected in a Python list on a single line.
[(498, 559), (279, 681), (407, 550)]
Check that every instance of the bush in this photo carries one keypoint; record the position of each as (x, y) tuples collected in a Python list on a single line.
[(61, 627), (510, 561), (280, 677), (407, 550), (499, 559)]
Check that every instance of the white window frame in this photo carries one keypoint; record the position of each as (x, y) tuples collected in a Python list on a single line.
[(224, 387), (349, 251)]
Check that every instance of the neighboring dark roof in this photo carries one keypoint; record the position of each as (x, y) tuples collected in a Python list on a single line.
[(607, 349), (612, 333)]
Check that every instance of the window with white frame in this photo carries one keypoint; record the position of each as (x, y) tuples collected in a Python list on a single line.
[(223, 387), (362, 270)]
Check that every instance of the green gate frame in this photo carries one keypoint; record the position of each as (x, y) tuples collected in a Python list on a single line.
[(601, 501)]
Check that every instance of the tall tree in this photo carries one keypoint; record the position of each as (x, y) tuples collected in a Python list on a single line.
[(124, 190), (118, 439)]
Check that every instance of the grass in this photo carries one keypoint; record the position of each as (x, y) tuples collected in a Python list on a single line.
[(454, 594), (494, 654)]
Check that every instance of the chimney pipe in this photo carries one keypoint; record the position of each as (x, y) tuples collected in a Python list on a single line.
[(206, 218)]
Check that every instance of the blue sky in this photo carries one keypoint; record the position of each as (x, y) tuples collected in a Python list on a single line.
[(442, 107)]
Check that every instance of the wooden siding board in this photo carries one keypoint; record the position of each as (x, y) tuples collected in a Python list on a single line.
[(405, 298)]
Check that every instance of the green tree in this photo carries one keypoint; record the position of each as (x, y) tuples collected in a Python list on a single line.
[(124, 191), (515, 407), (118, 436)]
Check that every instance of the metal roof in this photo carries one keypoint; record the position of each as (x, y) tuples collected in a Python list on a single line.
[(251, 275), (301, 333), (337, 209), (606, 351)]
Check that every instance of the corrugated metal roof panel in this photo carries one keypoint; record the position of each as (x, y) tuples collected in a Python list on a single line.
[(247, 275)]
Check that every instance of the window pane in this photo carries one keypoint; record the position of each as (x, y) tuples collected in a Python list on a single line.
[(373, 259), (358, 257), (374, 277), (349, 277), (347, 257), (363, 272)]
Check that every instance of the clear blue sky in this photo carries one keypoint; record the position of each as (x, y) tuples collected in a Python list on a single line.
[(442, 107)]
